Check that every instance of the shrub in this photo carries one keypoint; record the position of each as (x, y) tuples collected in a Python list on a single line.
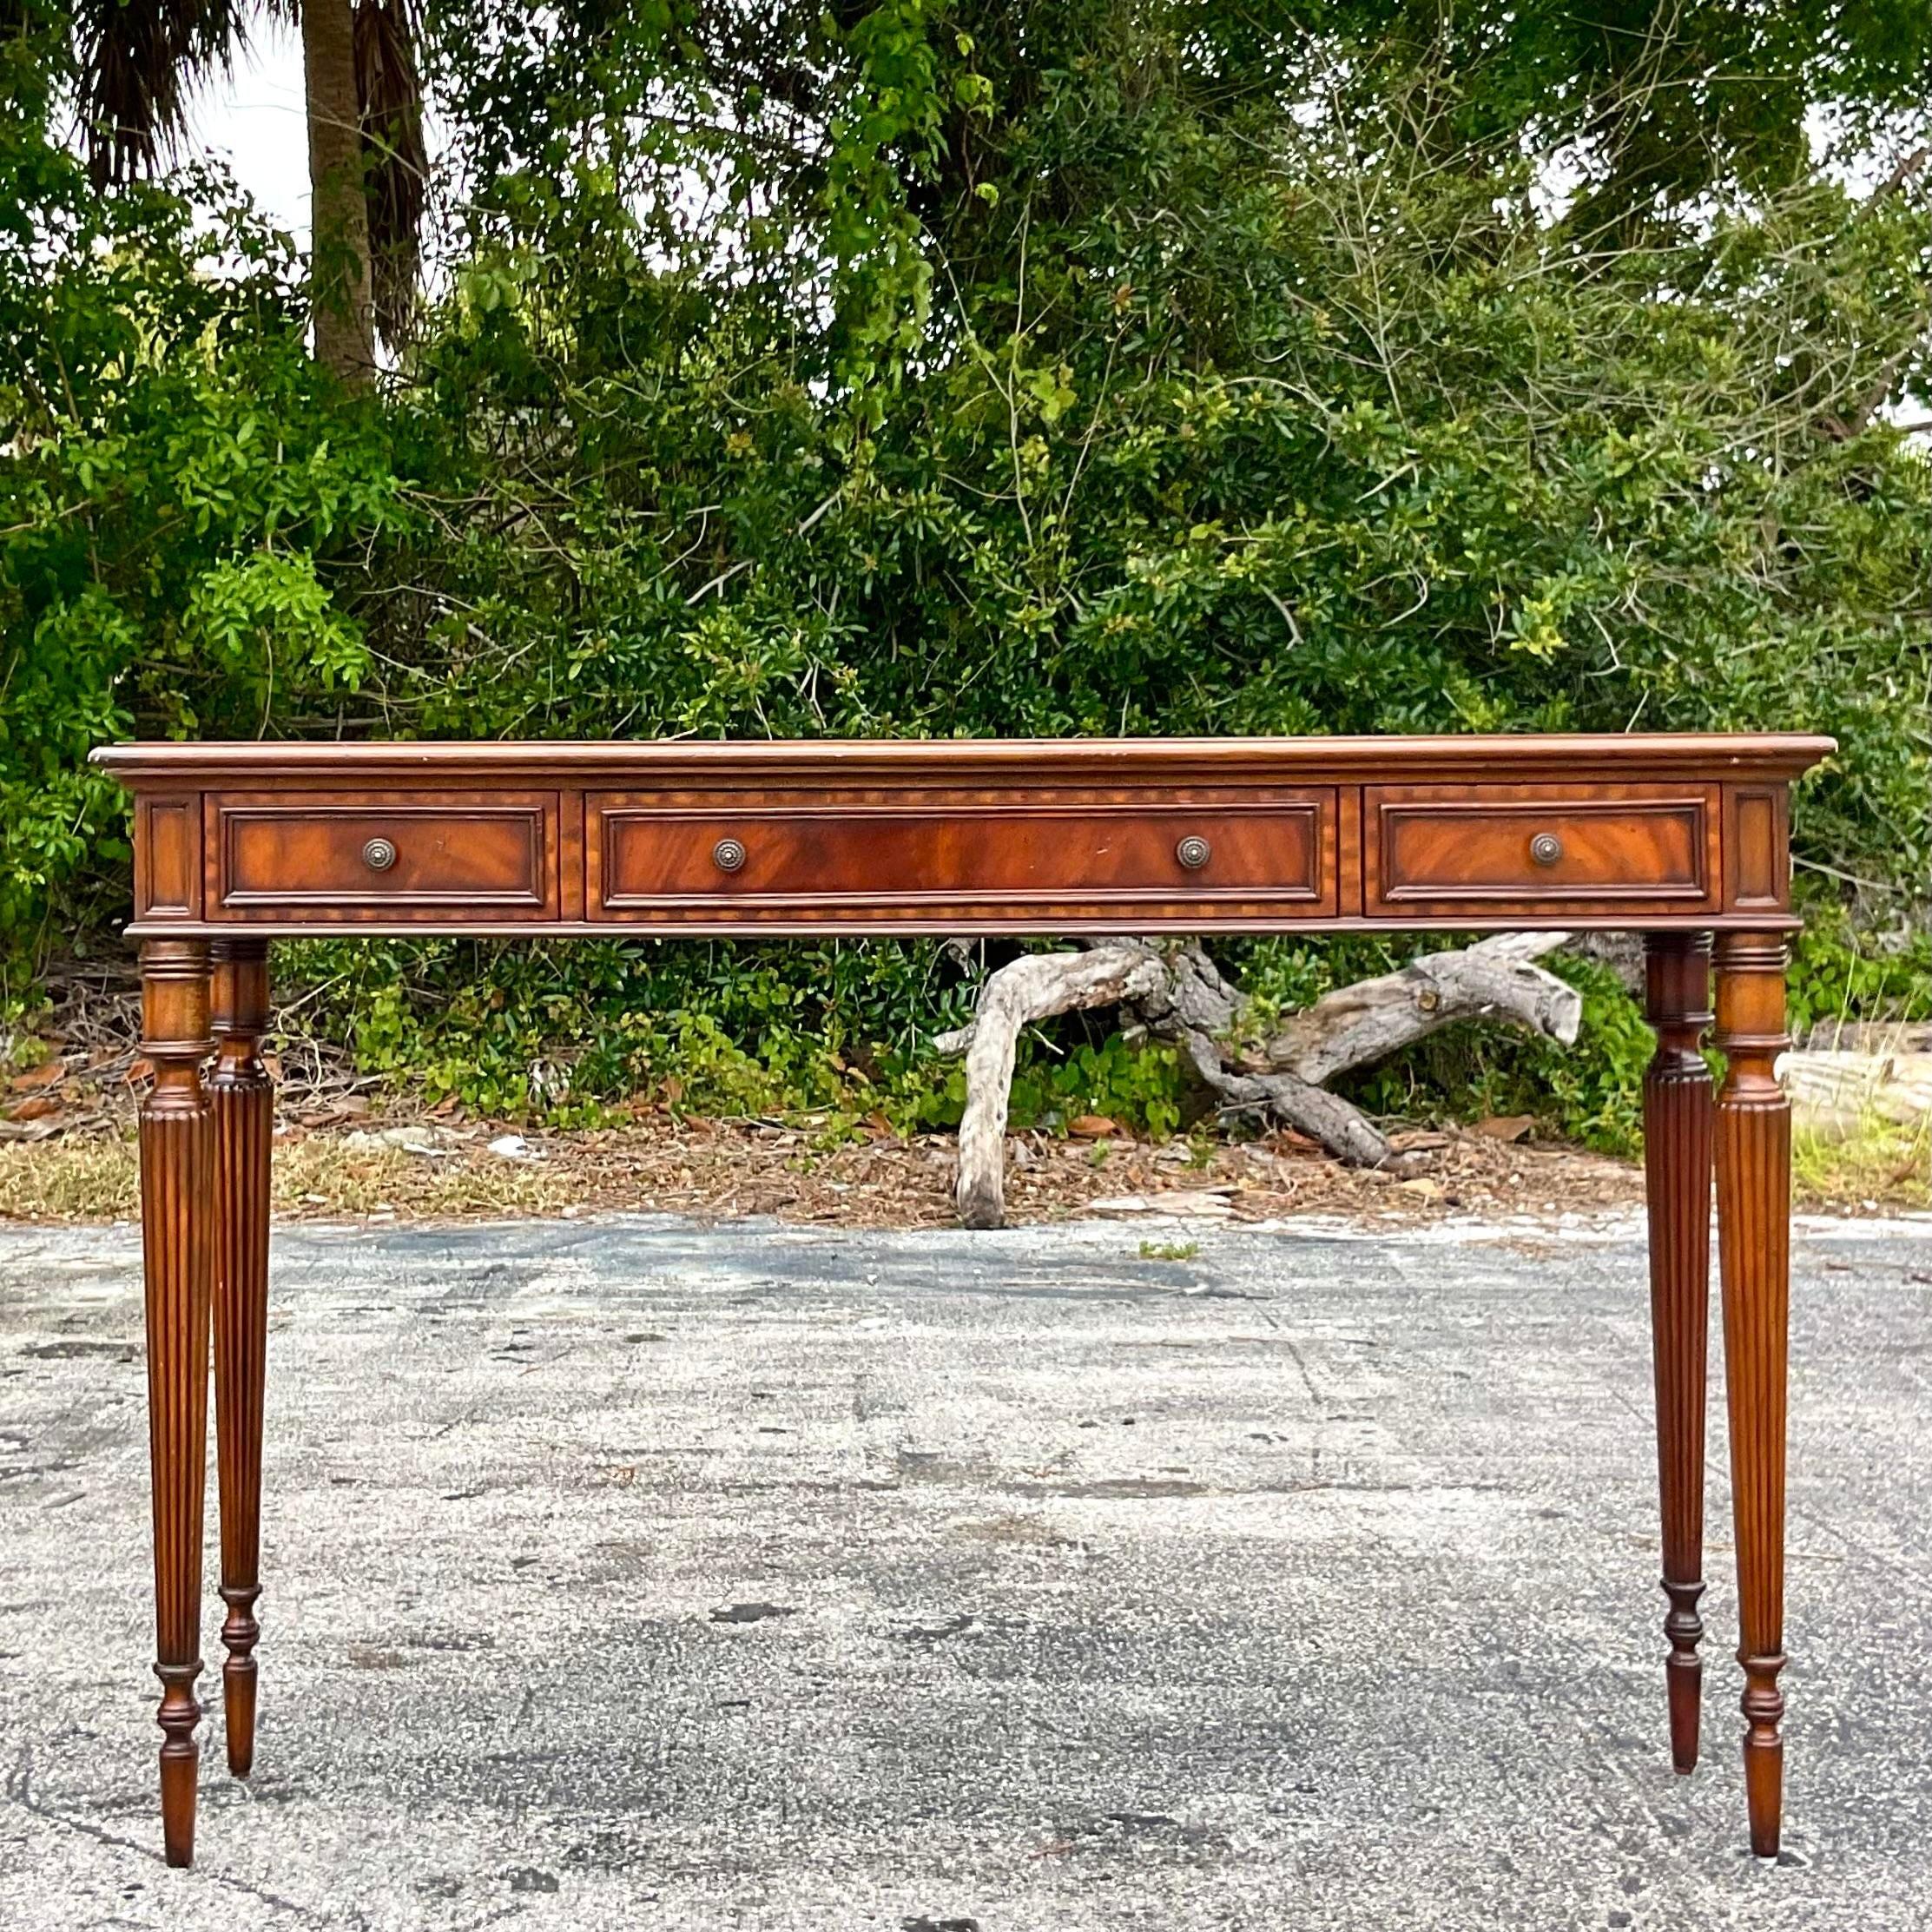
[(1084, 388)]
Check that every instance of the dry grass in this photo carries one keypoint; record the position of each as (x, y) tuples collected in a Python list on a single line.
[(98, 1180), (713, 1169), (90, 1179), (1880, 1164)]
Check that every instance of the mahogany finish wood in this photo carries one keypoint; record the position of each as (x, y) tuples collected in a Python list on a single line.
[(241, 1098), (177, 1146), (1754, 1184), (992, 836), (1679, 837), (843, 856), (1677, 1172), (1641, 848), (421, 855)]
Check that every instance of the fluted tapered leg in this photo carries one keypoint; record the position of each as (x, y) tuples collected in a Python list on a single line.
[(1754, 1187), (242, 1099), (176, 1178), (1677, 1169)]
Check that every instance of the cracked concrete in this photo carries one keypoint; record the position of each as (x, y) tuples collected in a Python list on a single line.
[(630, 1573)]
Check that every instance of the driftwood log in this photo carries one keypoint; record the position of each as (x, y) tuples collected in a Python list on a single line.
[(1177, 992)]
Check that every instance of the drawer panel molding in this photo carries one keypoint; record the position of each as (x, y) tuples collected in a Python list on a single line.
[(825, 856), (1645, 831), (1430, 849), (435, 857)]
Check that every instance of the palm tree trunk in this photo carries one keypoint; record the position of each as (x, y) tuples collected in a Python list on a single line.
[(345, 339)]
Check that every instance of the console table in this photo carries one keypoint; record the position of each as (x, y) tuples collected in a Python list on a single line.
[(1680, 838)]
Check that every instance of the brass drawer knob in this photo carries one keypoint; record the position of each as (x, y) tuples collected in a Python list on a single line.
[(1546, 848), (1193, 852), (379, 854), (729, 855)]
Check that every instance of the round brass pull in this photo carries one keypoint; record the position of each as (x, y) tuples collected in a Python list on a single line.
[(729, 855), (1546, 848), (1193, 852), (379, 854)]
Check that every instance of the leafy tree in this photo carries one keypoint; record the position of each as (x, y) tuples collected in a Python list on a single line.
[(1110, 366), (176, 472), (1657, 101), (1220, 419), (140, 59)]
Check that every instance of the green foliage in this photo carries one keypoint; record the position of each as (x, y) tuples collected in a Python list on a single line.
[(1657, 105), (179, 491), (566, 1031), (1110, 367), (1841, 971), (1237, 426), (1140, 1087)]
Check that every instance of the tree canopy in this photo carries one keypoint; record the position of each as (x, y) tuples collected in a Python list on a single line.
[(1101, 365)]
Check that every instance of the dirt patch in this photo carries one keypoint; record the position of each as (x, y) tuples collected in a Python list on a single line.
[(723, 1170), (66, 1154)]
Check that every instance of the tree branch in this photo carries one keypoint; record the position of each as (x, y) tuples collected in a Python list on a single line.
[(1022, 991), (1178, 994)]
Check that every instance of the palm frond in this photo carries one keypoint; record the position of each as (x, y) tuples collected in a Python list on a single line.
[(139, 60), (395, 161)]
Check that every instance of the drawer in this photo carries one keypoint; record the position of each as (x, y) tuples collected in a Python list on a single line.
[(1090, 859), (425, 856), (1588, 848)]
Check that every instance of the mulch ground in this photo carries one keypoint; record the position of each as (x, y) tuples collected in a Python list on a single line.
[(392, 1169), (345, 1146), (707, 1168)]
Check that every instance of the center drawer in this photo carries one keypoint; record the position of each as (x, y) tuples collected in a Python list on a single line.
[(645, 855)]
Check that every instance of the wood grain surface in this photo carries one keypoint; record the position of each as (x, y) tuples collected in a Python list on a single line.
[(177, 1174), (1677, 1173), (1006, 856), (1605, 847), (1677, 837), (1754, 1190), (1050, 836), (241, 1098)]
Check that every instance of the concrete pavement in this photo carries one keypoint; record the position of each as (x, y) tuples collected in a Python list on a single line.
[(625, 1573)]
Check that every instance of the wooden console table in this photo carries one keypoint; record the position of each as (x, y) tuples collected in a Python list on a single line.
[(1678, 838)]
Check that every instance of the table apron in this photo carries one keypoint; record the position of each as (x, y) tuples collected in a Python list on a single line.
[(1603, 850)]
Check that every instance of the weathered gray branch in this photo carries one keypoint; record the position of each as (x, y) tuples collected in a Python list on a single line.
[(1178, 994), (1024, 990), (1355, 1025)]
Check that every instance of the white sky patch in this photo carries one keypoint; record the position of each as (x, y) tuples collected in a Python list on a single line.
[(1856, 169), (254, 119), (1560, 177)]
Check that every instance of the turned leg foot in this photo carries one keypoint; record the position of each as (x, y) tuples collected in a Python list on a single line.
[(1753, 1160), (241, 1098), (176, 1175), (1677, 1166)]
